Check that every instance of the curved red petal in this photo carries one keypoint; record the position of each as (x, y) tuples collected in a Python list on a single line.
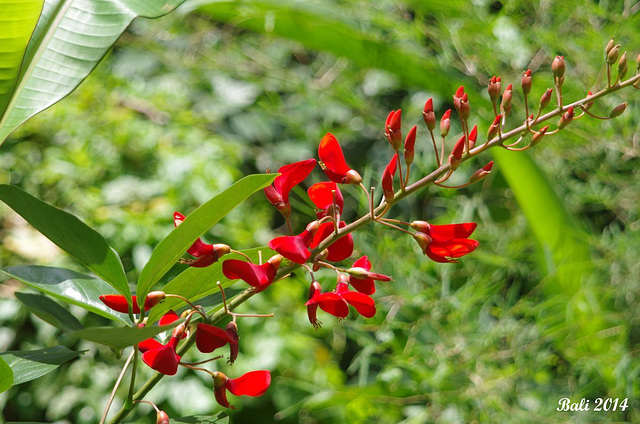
[(253, 383), (149, 344), (321, 195), (451, 231), (168, 318), (260, 276), (164, 359), (340, 249), (331, 303), (119, 303), (363, 262), (363, 285), (293, 248), (292, 175), (363, 303), (453, 248), (220, 394), (210, 338), (204, 261), (331, 155)]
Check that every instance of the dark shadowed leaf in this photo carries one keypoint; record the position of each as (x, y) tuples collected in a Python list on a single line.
[(49, 311), (219, 418), (122, 337)]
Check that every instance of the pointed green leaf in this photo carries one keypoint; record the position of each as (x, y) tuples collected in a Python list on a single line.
[(69, 286), (31, 364), (70, 234), (6, 376), (196, 283), (119, 338), (70, 39), (326, 28), (219, 418), (17, 23), (176, 243), (49, 311)]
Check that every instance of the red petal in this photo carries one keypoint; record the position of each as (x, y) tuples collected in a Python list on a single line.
[(168, 318), (294, 248), (363, 262), (119, 303), (292, 175), (164, 359), (451, 231), (253, 383), (259, 276), (340, 249), (331, 155), (209, 338), (220, 394), (363, 285), (199, 248), (363, 303), (331, 303), (149, 344), (322, 197), (454, 248)]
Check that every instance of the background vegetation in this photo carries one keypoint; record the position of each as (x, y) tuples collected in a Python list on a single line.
[(189, 103)]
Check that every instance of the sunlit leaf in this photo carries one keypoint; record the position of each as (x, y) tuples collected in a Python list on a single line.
[(6, 376), (219, 418), (69, 40)]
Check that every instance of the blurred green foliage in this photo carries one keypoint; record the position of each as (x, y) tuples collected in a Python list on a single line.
[(186, 105)]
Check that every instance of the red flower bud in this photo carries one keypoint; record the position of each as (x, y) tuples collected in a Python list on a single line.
[(457, 97), (387, 178), (566, 118), (494, 89), (546, 97), (456, 155), (392, 129), (588, 105), (557, 67), (526, 82), (162, 418), (493, 129), (505, 106), (445, 123), (428, 115), (465, 109), (409, 145), (538, 136), (481, 173), (473, 136), (618, 110)]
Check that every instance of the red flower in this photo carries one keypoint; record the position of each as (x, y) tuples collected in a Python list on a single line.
[(296, 248), (206, 253), (392, 129), (164, 358), (291, 175), (210, 338), (361, 279), (253, 383), (258, 276), (442, 242), (312, 309), (340, 249), (333, 163), (335, 303), (409, 145), (321, 194), (387, 178), (119, 303)]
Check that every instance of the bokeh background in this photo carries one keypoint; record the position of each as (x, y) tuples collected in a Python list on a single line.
[(546, 308)]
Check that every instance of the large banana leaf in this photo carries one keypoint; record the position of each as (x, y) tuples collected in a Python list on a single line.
[(69, 40)]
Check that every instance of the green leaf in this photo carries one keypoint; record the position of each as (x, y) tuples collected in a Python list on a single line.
[(219, 418), (176, 243), (49, 311), (16, 26), (196, 283), (6, 376), (31, 364), (119, 338), (69, 286), (331, 29), (70, 39), (70, 234)]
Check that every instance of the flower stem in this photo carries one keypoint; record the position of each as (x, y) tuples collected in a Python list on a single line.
[(115, 387)]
